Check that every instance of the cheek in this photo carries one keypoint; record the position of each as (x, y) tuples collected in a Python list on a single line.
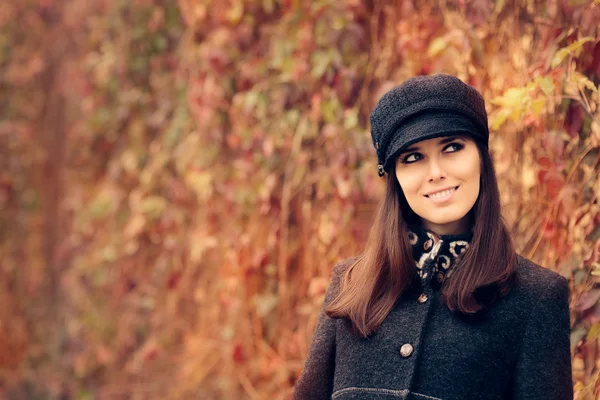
[(469, 169), (470, 174), (409, 182)]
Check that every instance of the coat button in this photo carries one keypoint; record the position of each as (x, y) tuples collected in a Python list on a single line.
[(440, 277), (406, 350), (422, 298)]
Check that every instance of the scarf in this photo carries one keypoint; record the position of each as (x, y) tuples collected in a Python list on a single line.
[(435, 255)]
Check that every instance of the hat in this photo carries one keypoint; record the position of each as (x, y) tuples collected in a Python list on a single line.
[(425, 107)]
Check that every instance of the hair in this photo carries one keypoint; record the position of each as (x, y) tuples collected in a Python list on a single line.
[(386, 269)]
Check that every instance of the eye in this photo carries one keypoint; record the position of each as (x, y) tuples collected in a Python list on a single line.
[(414, 157), (411, 158), (455, 146)]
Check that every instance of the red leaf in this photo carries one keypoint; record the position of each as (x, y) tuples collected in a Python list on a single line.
[(574, 120), (545, 162), (594, 66), (151, 355), (238, 354), (542, 176), (173, 280), (549, 230), (554, 184)]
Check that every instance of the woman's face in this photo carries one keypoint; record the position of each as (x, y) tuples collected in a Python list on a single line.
[(440, 179)]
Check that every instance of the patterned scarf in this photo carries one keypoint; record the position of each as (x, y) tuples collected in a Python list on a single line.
[(436, 255)]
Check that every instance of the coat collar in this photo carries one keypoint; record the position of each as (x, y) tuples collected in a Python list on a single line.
[(435, 255)]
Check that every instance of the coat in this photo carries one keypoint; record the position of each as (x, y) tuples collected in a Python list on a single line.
[(518, 349)]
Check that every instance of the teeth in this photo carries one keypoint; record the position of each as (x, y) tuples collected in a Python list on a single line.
[(440, 195)]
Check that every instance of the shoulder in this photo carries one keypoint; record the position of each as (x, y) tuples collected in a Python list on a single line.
[(342, 266), (337, 275), (535, 282)]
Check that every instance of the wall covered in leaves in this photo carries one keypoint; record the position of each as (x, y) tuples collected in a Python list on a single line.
[(178, 178)]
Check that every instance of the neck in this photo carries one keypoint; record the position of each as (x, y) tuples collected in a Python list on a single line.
[(452, 228), (435, 257)]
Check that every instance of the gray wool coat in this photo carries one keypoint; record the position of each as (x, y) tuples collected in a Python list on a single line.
[(520, 348)]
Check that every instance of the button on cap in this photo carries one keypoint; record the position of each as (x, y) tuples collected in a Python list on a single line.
[(406, 350), (422, 298)]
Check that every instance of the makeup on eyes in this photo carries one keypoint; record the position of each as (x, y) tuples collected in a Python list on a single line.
[(443, 141), (405, 155)]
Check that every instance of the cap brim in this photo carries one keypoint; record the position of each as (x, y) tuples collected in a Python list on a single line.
[(427, 126)]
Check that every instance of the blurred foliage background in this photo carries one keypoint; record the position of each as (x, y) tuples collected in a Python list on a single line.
[(178, 178)]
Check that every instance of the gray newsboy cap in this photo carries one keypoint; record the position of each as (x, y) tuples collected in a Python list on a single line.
[(425, 107)]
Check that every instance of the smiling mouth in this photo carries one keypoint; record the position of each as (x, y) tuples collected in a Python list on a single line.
[(441, 195)]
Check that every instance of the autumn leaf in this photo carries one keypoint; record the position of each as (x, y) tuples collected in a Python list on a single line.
[(574, 48), (437, 46)]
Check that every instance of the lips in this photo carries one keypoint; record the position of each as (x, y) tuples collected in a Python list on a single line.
[(441, 193)]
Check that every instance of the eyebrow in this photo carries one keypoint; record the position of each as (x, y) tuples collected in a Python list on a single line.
[(442, 142)]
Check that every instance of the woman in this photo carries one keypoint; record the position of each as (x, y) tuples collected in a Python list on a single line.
[(439, 305)]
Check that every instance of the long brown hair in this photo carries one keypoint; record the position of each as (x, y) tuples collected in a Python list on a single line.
[(386, 269)]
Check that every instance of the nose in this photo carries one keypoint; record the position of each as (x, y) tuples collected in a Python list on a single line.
[(436, 171)]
